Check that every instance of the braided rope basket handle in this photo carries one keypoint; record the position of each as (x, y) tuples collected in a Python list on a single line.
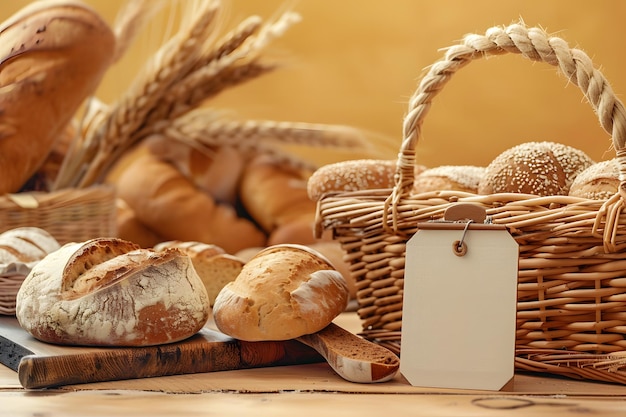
[(532, 43)]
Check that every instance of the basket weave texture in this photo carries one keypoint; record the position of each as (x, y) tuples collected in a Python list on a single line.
[(69, 215), (571, 310)]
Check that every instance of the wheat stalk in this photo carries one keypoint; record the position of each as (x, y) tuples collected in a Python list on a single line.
[(111, 136), (202, 128), (200, 84)]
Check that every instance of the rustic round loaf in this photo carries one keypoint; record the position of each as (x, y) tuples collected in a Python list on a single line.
[(109, 292), (449, 177), (600, 181), (538, 168), (283, 292)]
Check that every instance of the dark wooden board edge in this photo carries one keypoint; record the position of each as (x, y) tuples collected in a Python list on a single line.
[(194, 355)]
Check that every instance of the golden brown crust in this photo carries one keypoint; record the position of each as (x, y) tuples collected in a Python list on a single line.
[(275, 195), (283, 292), (168, 203), (52, 57)]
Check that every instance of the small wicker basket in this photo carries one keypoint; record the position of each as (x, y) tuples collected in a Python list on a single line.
[(70, 215), (571, 311)]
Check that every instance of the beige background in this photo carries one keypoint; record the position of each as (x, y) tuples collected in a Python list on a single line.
[(356, 62)]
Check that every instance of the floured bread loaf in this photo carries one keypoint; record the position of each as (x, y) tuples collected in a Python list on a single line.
[(109, 292), (215, 267), (283, 292), (26, 245)]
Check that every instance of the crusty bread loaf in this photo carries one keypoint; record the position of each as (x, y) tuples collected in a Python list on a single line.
[(215, 267), (130, 228), (283, 292), (109, 292), (600, 181), (538, 168), (449, 177), (53, 55), (217, 172), (168, 203), (275, 195), (353, 175), (26, 245)]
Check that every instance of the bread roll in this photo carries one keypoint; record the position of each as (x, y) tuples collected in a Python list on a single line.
[(215, 267), (53, 55), (353, 175), (108, 292), (600, 181), (449, 177), (282, 293), (168, 203), (538, 168)]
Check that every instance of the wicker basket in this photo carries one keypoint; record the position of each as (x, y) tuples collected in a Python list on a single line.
[(571, 312), (71, 215)]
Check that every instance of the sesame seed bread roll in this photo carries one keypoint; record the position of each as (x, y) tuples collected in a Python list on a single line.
[(600, 181), (283, 292), (538, 168), (109, 292), (353, 175), (449, 177)]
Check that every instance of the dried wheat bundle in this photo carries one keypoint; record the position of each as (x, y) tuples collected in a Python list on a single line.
[(193, 66)]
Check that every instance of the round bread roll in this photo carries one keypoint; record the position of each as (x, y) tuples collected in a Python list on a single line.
[(600, 181), (109, 292), (449, 177), (538, 168), (353, 175), (283, 292), (215, 267)]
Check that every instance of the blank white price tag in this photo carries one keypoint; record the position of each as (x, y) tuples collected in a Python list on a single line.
[(460, 296)]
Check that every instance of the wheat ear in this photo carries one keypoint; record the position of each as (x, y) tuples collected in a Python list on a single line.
[(126, 116)]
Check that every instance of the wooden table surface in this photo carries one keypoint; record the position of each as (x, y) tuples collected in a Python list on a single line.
[(306, 390)]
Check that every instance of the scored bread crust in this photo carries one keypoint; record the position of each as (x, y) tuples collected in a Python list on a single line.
[(109, 292), (283, 292)]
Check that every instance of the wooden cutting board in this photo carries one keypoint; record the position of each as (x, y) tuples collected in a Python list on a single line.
[(43, 365)]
